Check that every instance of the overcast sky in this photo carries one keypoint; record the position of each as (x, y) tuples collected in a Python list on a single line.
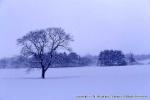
[(94, 24)]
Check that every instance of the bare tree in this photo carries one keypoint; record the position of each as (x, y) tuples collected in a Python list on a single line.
[(43, 44)]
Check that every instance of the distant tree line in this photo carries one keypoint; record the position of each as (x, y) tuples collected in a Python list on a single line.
[(64, 59), (14, 62), (115, 58), (142, 57), (72, 59), (111, 58)]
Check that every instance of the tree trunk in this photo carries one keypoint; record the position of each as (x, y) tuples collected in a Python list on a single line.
[(43, 74)]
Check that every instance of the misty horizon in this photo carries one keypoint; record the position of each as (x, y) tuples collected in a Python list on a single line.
[(95, 25)]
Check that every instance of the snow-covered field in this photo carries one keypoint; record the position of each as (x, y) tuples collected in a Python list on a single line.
[(68, 83)]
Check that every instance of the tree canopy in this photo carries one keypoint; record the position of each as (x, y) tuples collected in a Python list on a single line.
[(43, 44)]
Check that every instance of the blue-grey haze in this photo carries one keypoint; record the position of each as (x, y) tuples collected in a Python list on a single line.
[(95, 24)]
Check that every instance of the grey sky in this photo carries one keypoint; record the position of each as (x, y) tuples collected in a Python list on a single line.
[(95, 24)]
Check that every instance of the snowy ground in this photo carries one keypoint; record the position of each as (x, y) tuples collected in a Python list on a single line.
[(68, 83)]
